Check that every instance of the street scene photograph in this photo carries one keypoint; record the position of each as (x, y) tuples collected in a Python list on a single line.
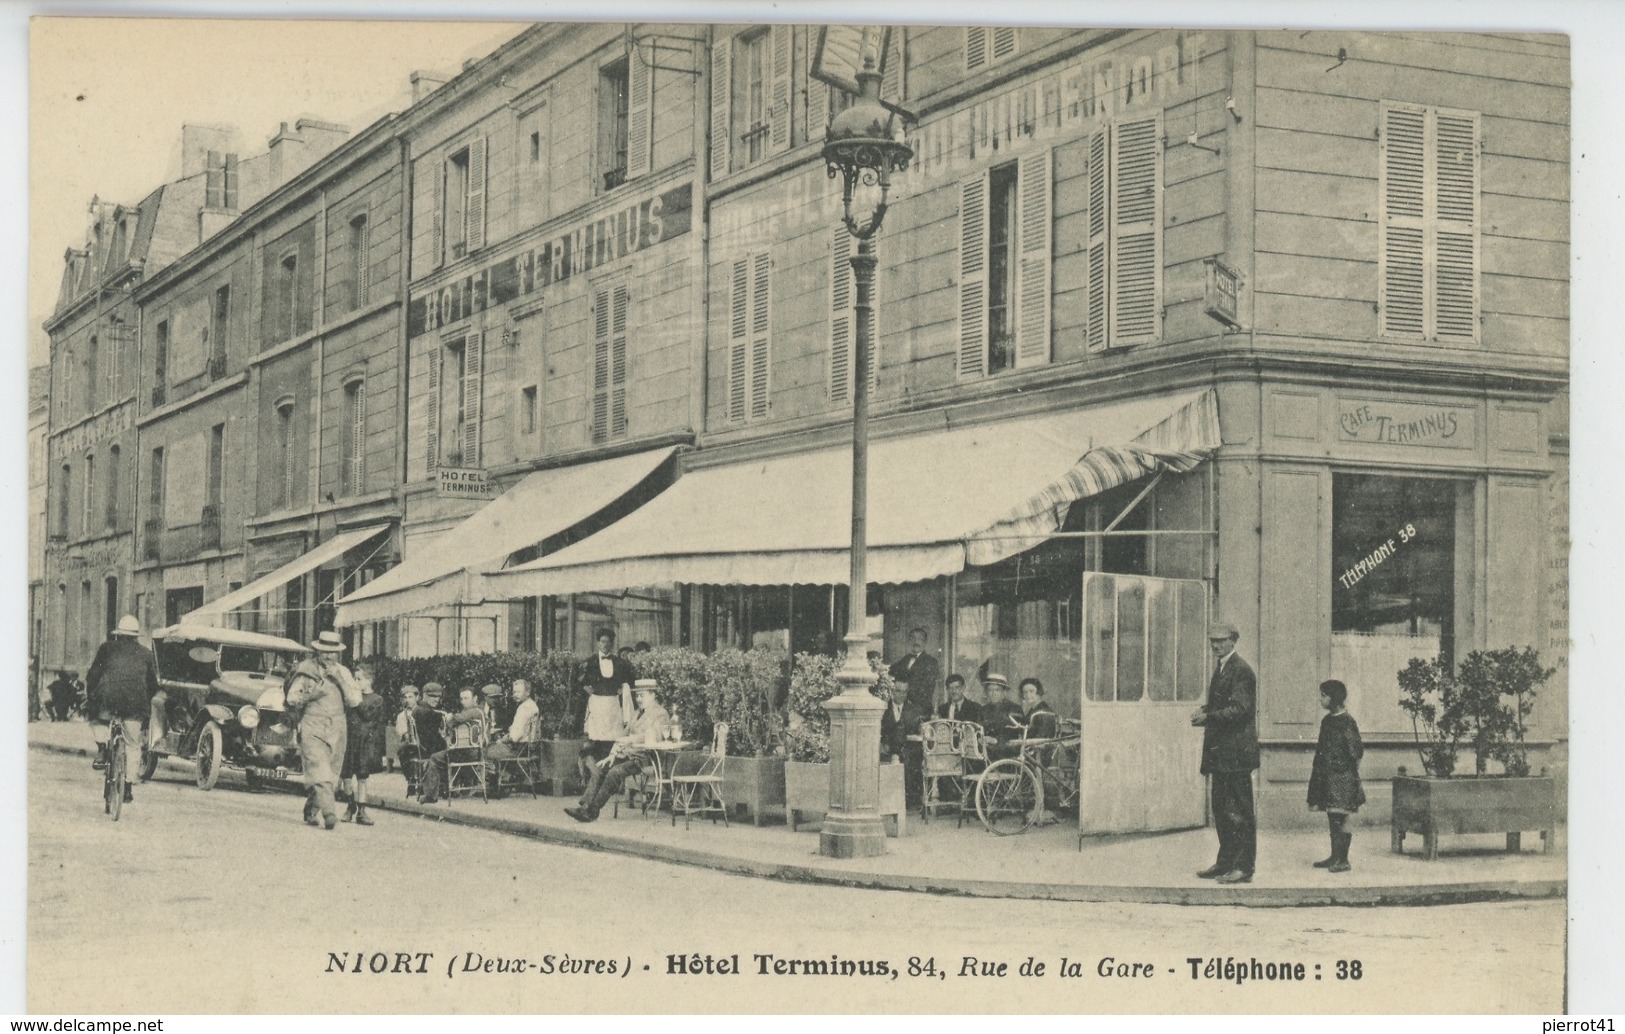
[(594, 517)]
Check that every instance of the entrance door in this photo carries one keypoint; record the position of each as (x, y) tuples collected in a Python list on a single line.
[(1144, 672)]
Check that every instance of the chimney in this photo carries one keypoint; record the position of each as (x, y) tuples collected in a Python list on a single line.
[(425, 83), (198, 140), (286, 152), (320, 137)]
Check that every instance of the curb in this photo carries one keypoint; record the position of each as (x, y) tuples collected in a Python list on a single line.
[(1236, 897)]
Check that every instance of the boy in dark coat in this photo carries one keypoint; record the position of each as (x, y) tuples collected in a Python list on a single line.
[(1334, 779)]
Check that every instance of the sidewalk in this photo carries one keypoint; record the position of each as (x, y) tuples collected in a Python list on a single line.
[(1041, 864)]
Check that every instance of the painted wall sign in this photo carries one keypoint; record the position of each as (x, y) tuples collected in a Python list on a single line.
[(596, 242), (1375, 559), (463, 483), (1404, 423)]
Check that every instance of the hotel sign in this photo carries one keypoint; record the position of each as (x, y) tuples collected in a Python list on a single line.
[(1404, 423), (462, 483), (595, 242)]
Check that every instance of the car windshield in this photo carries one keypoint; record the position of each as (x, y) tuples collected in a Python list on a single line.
[(186, 660), (246, 658)]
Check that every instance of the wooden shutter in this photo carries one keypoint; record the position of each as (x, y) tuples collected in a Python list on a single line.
[(432, 437), (473, 392), (973, 277), (840, 316), (620, 298), (437, 220), (760, 334), (1455, 188), (363, 261), (1033, 290), (891, 83), (639, 113), (818, 94), (1401, 283), (1136, 232), (975, 48), (778, 95), (738, 340), (1004, 43), (721, 88), (1096, 248), (475, 211), (214, 181), (358, 438), (600, 366)]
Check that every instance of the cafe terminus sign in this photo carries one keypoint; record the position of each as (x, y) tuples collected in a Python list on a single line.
[(1405, 423), (596, 242)]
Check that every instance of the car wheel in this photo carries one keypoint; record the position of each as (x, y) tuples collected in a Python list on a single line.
[(149, 764), (208, 756)]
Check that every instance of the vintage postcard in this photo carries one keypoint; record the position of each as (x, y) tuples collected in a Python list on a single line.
[(792, 517)]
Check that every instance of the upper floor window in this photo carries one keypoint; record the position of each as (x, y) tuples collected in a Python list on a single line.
[(459, 203), (215, 468), (1004, 257), (160, 357), (527, 410), (613, 118), (92, 372), (609, 363), (455, 395), (531, 170), (360, 261), (1124, 222), (988, 46), (155, 484), (219, 330), (89, 506), (220, 181), (353, 462), (749, 338), (750, 97), (111, 519), (64, 507), (1428, 278), (284, 454), (288, 300)]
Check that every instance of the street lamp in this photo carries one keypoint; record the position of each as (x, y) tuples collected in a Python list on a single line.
[(860, 149)]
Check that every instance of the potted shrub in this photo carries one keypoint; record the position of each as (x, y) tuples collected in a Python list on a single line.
[(1470, 706), (552, 683), (806, 770), (741, 687)]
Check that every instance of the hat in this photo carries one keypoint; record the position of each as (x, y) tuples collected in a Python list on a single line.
[(995, 679), (491, 690), (433, 689), (328, 642), (1221, 630), (645, 686), (128, 625)]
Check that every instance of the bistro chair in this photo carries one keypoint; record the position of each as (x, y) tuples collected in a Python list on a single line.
[(701, 792), (524, 767), (949, 749), (465, 762)]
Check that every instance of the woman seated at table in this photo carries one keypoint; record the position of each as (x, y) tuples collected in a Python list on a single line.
[(624, 761), (1033, 719)]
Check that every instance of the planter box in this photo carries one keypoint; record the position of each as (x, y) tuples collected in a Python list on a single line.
[(560, 766), (755, 784), (1483, 804), (806, 794)]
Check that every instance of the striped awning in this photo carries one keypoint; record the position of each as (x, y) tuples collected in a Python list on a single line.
[(938, 501)]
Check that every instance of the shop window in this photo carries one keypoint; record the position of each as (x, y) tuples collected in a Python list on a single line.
[(1022, 617)]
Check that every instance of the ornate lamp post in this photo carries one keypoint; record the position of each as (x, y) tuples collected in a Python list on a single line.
[(860, 149)]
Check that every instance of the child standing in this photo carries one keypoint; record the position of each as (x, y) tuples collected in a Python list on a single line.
[(410, 747), (1334, 780), (364, 748)]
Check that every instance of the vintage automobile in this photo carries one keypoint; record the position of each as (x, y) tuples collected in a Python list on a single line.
[(223, 705)]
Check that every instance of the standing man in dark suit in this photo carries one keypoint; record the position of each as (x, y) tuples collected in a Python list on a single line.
[(958, 707), (1229, 756), (920, 671)]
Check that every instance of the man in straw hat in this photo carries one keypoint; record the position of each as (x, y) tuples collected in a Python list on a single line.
[(122, 682), (610, 775), (1229, 755), (320, 688)]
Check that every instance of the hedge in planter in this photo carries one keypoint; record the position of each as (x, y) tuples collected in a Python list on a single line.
[(741, 689)]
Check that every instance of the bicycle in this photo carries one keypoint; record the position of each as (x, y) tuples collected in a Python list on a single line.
[(115, 778), (1014, 793)]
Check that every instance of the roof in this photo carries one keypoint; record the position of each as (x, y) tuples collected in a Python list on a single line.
[(230, 637)]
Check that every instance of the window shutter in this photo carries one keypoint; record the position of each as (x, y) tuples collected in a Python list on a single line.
[(620, 298), (1136, 232), (229, 182), (975, 48), (1456, 171), (1401, 278), (760, 332), (214, 181), (473, 392), (1095, 250), (721, 86), (358, 438), (363, 262), (437, 222), (1004, 43), (973, 277), (778, 45), (840, 316), (600, 367), (1033, 291), (476, 195), (738, 340), (432, 438), (891, 84), (640, 111)]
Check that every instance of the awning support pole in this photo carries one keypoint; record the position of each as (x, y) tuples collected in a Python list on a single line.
[(1136, 501)]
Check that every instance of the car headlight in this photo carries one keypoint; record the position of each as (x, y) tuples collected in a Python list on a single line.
[(248, 716)]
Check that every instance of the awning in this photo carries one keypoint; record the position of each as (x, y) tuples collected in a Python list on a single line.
[(446, 572), (938, 502), (215, 611)]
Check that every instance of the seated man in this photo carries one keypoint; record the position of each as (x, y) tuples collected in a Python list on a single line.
[(624, 761), (464, 731), (513, 742), (898, 722), (998, 714), (958, 707)]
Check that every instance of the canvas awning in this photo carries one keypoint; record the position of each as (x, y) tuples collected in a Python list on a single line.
[(937, 502), (446, 572), (215, 611)]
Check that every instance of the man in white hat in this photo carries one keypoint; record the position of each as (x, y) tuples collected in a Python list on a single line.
[(121, 684), (610, 775), (320, 688)]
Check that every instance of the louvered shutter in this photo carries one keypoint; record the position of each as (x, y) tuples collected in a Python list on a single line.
[(473, 393), (214, 181), (975, 48), (475, 212), (1136, 232), (1402, 277), (891, 83), (1004, 43), (840, 316), (358, 438), (739, 341), (973, 277), (431, 438), (363, 261), (600, 366), (778, 46), (721, 88), (640, 111), (1033, 291), (1456, 170), (437, 221), (760, 332), (1098, 221), (620, 299)]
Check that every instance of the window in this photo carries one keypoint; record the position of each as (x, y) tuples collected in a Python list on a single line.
[(284, 455), (89, 502), (1428, 278), (84, 619), (527, 410), (360, 264), (112, 486), (459, 203), (65, 502), (609, 375), (92, 372), (155, 481), (988, 46), (531, 171), (750, 100), (220, 181), (1124, 278), (160, 357), (749, 336), (1143, 638), (219, 332), (456, 392), (214, 473), (288, 300), (353, 463), (612, 123), (110, 611), (750, 95), (1004, 284)]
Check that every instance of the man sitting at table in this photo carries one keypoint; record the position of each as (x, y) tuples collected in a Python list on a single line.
[(513, 742), (625, 760), (999, 713), (958, 707)]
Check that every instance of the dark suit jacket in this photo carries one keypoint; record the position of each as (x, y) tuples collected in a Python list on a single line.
[(894, 732), (923, 678), (592, 682), (122, 679), (1229, 738), (969, 711)]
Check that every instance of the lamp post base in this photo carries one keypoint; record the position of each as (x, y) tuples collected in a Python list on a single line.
[(852, 826)]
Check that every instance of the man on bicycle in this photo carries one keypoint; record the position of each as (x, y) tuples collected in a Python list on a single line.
[(121, 684)]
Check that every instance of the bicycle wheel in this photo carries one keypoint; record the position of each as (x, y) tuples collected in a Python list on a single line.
[(1007, 797), (115, 777)]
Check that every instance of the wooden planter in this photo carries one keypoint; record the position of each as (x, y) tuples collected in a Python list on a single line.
[(1472, 804), (806, 794), (559, 769), (755, 784)]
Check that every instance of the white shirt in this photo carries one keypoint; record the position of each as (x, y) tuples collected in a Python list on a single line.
[(606, 666), (522, 716)]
